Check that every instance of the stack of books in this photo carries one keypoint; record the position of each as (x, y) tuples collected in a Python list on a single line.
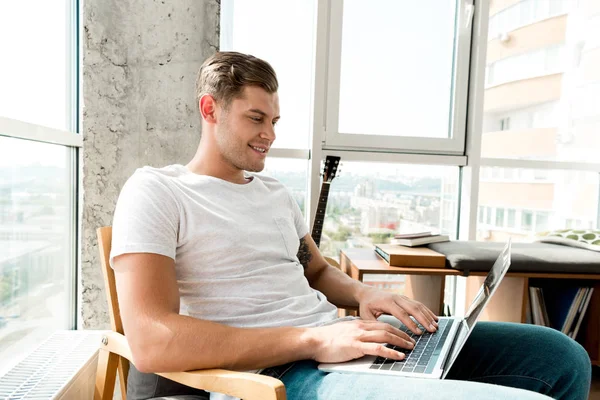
[(418, 239), (561, 308)]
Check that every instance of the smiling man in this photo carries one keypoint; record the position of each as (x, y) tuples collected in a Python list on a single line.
[(215, 269)]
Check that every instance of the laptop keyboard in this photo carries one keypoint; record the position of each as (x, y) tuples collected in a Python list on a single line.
[(416, 360)]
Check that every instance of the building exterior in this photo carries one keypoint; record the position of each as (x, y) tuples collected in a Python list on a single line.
[(542, 79)]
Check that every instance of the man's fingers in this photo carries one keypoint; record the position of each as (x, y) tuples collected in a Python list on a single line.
[(388, 337), (405, 318), (376, 349), (421, 313), (383, 326)]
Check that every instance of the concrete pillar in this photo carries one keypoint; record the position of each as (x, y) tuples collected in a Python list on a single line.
[(140, 59)]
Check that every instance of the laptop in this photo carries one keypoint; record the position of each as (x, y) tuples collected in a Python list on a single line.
[(433, 353)]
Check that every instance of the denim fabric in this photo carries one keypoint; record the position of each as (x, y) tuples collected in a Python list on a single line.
[(498, 361)]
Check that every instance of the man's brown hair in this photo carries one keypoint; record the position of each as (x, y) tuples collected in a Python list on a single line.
[(224, 75)]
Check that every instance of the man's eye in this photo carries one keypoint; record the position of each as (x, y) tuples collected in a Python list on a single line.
[(255, 119)]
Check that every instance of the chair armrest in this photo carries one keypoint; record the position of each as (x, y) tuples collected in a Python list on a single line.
[(244, 385)]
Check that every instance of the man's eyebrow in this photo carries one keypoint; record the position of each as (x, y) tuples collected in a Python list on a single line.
[(264, 114)]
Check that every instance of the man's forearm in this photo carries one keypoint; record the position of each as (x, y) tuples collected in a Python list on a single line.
[(339, 288), (181, 343)]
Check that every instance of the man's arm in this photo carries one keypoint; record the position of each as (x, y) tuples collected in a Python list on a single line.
[(342, 291), (162, 340)]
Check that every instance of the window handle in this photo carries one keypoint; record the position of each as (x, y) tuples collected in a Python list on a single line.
[(469, 12)]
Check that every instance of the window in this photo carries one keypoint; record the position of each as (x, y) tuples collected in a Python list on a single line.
[(524, 13), (293, 173), (531, 206), (541, 221), (511, 218), (529, 65), (36, 89), (36, 244), (549, 96), (488, 215), (526, 220), (369, 202), (500, 217), (415, 103), (248, 27), (38, 187)]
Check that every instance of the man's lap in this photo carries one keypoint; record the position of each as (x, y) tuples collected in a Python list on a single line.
[(495, 357), (498, 361)]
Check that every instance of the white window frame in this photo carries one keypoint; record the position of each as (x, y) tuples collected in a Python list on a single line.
[(71, 139), (328, 65)]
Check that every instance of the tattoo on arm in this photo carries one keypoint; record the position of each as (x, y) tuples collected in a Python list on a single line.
[(304, 255)]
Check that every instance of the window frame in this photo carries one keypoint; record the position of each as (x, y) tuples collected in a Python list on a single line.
[(328, 65), (71, 139)]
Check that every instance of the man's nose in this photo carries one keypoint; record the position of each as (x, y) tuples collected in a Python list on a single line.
[(269, 133)]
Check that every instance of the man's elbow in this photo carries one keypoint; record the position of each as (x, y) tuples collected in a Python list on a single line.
[(149, 351)]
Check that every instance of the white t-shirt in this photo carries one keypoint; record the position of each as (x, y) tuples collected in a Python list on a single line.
[(234, 246)]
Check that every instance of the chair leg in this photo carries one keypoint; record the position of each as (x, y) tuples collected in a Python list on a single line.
[(106, 375), (123, 373)]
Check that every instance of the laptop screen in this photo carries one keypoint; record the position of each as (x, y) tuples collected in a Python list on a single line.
[(489, 286)]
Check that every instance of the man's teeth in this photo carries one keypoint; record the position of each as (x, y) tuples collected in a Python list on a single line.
[(258, 149)]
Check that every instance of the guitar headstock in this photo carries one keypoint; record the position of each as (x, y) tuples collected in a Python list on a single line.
[(330, 168)]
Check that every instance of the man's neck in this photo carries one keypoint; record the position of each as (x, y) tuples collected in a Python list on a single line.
[(206, 164)]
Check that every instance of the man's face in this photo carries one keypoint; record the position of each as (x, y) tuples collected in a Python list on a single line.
[(246, 131)]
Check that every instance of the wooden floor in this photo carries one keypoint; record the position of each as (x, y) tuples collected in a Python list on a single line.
[(595, 392)]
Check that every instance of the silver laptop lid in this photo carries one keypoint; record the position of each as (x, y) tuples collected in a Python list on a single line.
[(491, 283)]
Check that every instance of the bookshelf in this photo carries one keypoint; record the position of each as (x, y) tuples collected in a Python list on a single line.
[(512, 301)]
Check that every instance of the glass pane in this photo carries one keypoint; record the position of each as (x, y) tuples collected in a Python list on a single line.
[(293, 173), (543, 81), (34, 87), (281, 33), (392, 84), (35, 244), (369, 202), (563, 199)]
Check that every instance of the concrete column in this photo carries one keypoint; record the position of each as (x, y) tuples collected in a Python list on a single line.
[(140, 59)]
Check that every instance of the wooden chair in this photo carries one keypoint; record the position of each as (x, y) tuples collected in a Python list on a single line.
[(115, 354)]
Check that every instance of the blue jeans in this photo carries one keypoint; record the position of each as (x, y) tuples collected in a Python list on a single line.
[(497, 362)]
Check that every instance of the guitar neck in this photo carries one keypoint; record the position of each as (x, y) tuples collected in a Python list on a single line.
[(320, 215)]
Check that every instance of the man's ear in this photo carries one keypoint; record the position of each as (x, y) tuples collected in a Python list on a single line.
[(208, 108)]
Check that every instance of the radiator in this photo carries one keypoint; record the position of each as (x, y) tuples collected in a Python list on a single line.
[(63, 368)]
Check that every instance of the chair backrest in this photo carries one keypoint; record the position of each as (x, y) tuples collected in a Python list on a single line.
[(108, 367)]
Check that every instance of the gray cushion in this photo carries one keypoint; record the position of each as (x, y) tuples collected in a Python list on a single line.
[(526, 257)]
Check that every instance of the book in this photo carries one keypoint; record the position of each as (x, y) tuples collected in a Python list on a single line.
[(581, 312), (400, 256), (411, 235), (420, 241), (558, 300), (566, 328), (535, 306)]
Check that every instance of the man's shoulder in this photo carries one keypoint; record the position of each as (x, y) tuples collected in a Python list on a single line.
[(149, 174), (158, 182)]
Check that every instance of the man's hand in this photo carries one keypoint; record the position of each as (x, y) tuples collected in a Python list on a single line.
[(373, 303), (349, 340)]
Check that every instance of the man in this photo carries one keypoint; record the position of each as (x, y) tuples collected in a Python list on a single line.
[(215, 269)]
